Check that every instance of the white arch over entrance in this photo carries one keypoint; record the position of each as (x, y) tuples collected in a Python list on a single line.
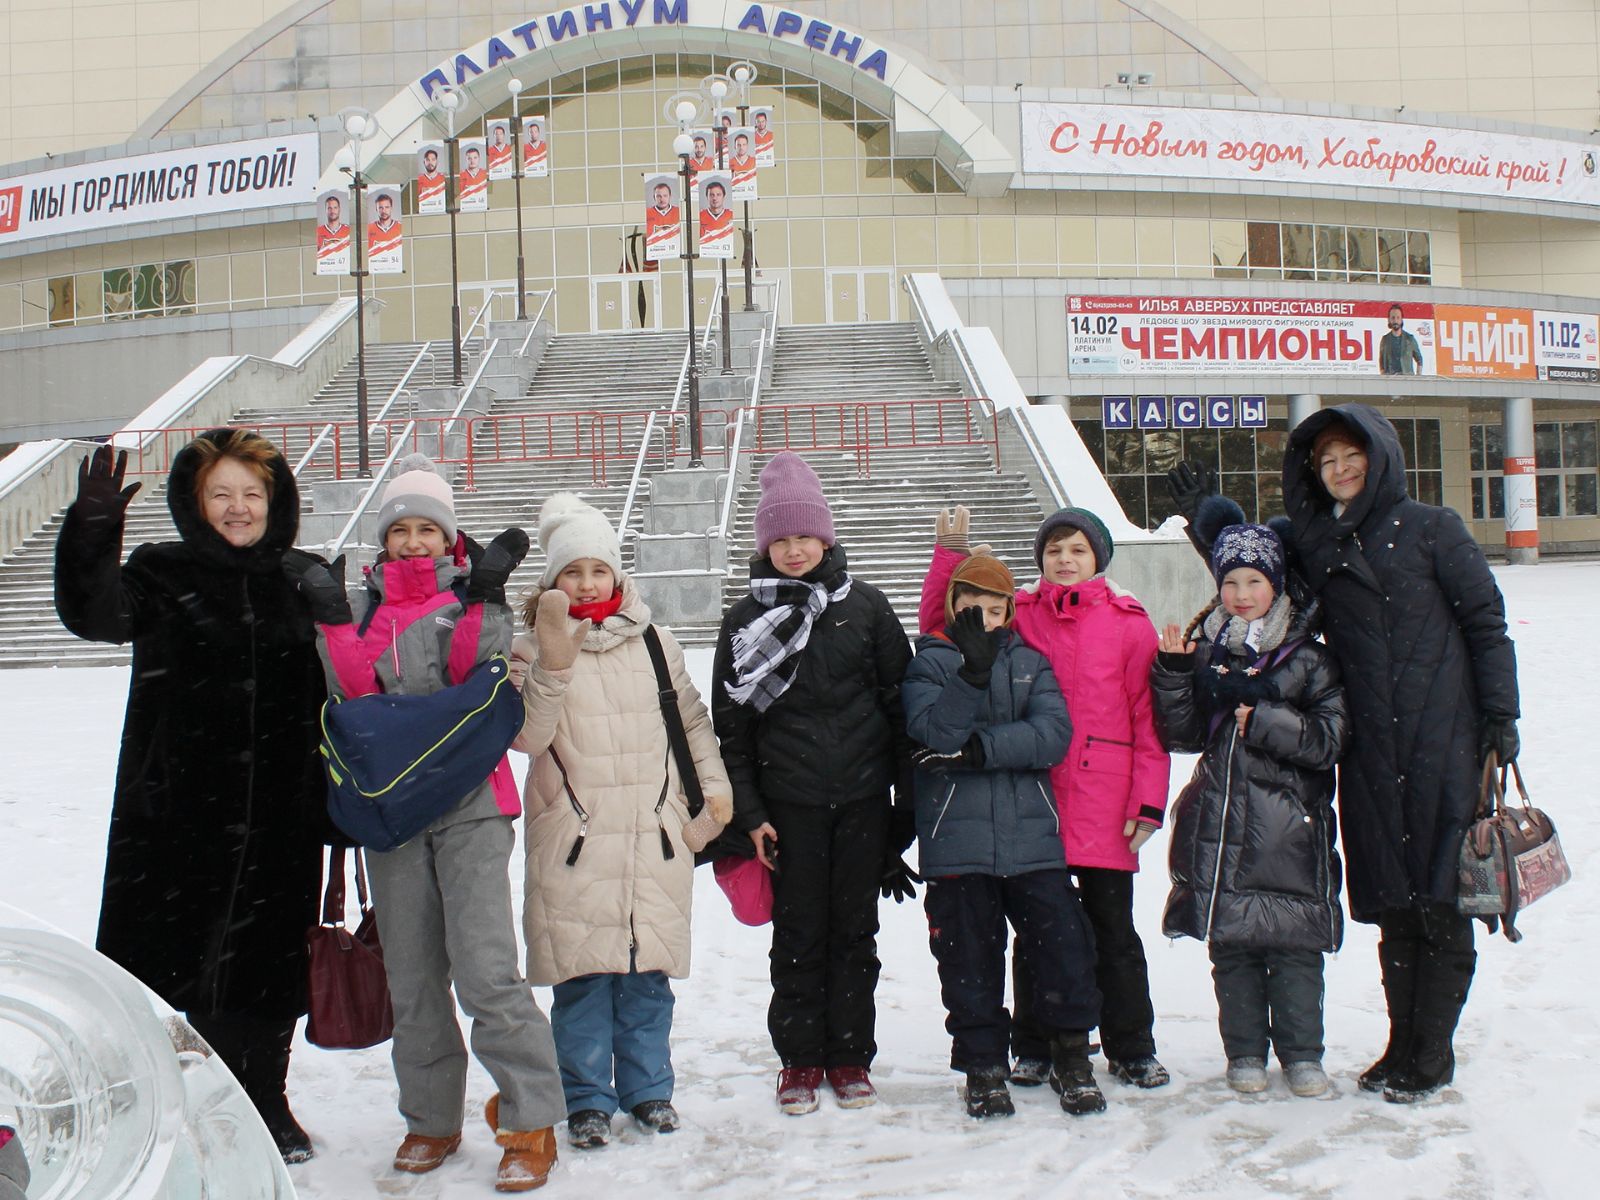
[(928, 117)]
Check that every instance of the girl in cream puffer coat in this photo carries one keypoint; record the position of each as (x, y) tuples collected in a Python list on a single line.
[(610, 843)]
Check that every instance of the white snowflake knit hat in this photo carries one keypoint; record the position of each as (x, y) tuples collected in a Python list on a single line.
[(1248, 546), (418, 490), (569, 530)]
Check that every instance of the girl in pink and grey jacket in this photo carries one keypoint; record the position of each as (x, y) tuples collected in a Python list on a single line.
[(1111, 789), (435, 609)]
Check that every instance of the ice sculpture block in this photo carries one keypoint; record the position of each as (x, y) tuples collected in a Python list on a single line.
[(112, 1094)]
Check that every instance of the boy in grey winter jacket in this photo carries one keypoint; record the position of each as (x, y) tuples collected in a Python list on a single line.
[(991, 722)]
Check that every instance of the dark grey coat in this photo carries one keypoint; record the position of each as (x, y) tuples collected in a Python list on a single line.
[(1000, 819), (1251, 850), (1413, 616)]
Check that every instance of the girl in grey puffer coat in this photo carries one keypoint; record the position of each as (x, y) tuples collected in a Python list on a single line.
[(1254, 871)]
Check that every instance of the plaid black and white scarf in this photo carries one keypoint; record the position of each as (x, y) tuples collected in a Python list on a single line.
[(765, 652)]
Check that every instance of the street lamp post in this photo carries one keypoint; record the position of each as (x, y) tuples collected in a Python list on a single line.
[(450, 100), (682, 110), (359, 125), (744, 74), (514, 86), (717, 85)]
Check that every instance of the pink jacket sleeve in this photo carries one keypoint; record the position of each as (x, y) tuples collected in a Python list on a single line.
[(1152, 765), (346, 661), (930, 608)]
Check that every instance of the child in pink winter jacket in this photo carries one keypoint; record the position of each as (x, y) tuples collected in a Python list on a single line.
[(434, 608), (1111, 789)]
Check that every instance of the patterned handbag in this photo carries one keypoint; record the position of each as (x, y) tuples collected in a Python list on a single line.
[(1511, 856)]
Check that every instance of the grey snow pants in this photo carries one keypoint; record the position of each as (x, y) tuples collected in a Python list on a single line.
[(444, 915)]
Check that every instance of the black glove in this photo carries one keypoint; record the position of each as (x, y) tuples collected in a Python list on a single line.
[(978, 647), (322, 584), (898, 879), (1189, 487), (902, 828), (101, 497), (1500, 736), (970, 756), (487, 583)]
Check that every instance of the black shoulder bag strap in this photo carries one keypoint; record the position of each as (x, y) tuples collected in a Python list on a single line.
[(677, 736)]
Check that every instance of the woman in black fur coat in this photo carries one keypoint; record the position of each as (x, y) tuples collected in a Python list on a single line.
[(215, 854)]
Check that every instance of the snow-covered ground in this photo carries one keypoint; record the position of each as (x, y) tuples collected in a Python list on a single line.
[(1522, 1121)]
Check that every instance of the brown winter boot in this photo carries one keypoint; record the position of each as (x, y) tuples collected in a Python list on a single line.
[(529, 1154), (419, 1154)]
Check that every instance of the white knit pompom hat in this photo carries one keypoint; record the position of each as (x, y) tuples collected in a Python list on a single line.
[(569, 530)]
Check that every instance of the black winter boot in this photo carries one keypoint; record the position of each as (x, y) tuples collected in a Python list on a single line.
[(1444, 977), (987, 1095), (1072, 1075), (1397, 957), (266, 1082)]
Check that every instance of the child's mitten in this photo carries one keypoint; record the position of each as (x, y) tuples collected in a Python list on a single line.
[(489, 573), (558, 646)]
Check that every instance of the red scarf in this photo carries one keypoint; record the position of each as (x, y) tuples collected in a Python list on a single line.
[(597, 610)]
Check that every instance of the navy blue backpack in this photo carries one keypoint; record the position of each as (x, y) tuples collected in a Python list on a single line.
[(396, 764)]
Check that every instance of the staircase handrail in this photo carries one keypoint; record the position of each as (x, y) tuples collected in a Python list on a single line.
[(316, 444), (638, 474), (488, 302), (468, 389), (378, 479), (538, 319), (731, 485), (734, 479), (426, 353), (705, 341)]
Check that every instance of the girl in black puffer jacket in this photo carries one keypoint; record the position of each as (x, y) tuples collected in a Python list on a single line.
[(1254, 872)]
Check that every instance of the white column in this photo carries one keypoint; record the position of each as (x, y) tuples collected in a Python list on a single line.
[(1522, 493), (1301, 406)]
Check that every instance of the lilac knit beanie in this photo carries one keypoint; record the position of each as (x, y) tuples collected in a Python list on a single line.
[(791, 503)]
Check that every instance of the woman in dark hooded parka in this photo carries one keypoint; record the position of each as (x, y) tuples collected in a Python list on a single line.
[(1417, 624), (215, 853)]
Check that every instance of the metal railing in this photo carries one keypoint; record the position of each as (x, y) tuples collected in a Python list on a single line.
[(863, 426), (378, 479), (538, 319), (735, 477)]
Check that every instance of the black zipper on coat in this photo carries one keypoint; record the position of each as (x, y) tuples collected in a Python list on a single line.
[(667, 853), (572, 798)]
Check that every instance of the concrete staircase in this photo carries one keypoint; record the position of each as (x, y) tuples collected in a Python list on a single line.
[(621, 377), (883, 498)]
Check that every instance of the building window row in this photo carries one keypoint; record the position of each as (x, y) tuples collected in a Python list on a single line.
[(123, 293), (1248, 463), (1325, 253), (1566, 465)]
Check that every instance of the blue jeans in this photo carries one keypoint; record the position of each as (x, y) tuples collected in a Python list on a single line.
[(612, 1039)]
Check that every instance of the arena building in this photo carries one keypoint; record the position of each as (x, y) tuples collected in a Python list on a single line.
[(1189, 223)]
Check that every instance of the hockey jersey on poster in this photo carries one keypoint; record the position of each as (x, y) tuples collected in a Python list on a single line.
[(384, 233), (431, 189), (716, 216), (663, 219), (535, 146), (472, 185), (766, 142), (742, 164), (500, 160), (333, 233)]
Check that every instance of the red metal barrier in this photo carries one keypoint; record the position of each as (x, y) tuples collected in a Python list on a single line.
[(606, 439)]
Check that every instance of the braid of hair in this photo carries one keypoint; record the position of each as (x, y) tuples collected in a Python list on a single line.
[(1200, 618)]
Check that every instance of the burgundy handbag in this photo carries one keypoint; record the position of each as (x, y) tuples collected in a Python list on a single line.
[(1511, 855), (350, 1007)]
